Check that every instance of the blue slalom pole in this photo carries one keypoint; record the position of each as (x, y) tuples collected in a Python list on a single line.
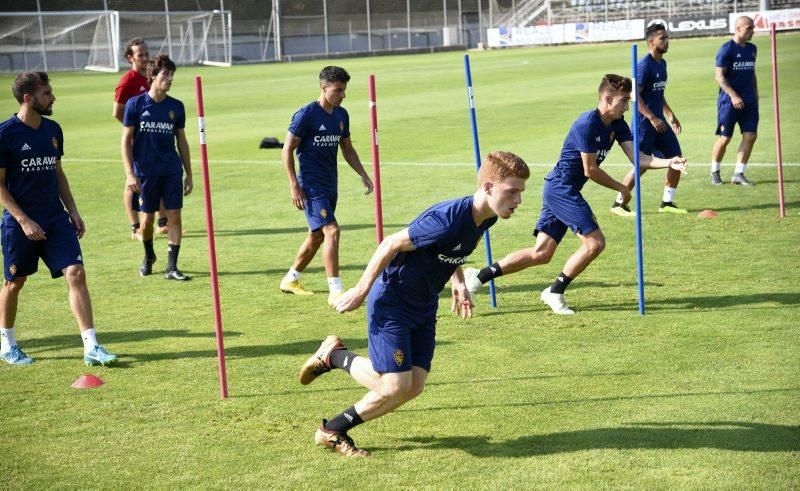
[(477, 149), (638, 187)]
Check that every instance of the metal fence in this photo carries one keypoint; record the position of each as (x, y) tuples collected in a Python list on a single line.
[(286, 30)]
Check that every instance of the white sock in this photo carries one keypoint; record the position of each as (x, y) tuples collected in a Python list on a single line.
[(619, 199), (335, 284), (89, 340), (715, 166), (740, 168), (292, 275), (7, 340), (669, 194)]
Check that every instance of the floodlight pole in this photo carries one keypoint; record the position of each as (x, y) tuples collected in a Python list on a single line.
[(212, 252), (638, 183), (477, 151)]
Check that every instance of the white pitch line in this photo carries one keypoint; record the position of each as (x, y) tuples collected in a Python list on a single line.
[(418, 164)]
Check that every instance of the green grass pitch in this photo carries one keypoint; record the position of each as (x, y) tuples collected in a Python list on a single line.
[(702, 392)]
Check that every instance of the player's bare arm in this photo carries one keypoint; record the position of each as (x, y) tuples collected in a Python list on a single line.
[(186, 159), (462, 300), (65, 194), (350, 155), (118, 111), (673, 120), (32, 229), (645, 111), (722, 81), (391, 245), (650, 162), (290, 144), (598, 175), (126, 147)]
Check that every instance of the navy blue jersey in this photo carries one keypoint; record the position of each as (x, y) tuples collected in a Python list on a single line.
[(588, 135), (739, 63), (651, 76), (29, 157), (156, 123), (444, 235), (319, 134)]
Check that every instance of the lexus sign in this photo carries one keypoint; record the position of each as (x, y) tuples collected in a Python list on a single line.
[(693, 26)]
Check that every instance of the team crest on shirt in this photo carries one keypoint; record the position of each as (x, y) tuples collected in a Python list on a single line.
[(323, 213), (398, 357), (172, 115), (55, 143), (13, 270), (611, 137)]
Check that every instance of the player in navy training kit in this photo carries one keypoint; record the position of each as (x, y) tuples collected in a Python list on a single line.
[(401, 284), (586, 146), (316, 132), (737, 102), (656, 137), (152, 124), (35, 192)]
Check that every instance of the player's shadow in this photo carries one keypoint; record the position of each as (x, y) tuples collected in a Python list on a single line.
[(112, 338), (748, 300), (538, 287), (286, 230), (737, 436), (273, 271), (760, 206)]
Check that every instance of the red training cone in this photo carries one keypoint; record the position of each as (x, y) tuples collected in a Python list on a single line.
[(708, 213), (87, 381)]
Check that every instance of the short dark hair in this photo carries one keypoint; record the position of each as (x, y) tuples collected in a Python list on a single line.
[(159, 63), (27, 83), (614, 84), (653, 29), (130, 44), (334, 74)]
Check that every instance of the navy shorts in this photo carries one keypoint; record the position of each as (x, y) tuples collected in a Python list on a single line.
[(21, 255), (319, 208), (664, 145), (398, 337), (563, 207), (728, 117), (156, 189)]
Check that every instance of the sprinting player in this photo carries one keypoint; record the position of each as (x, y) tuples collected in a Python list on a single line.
[(737, 102), (317, 131), (35, 193), (134, 83), (401, 284), (153, 123), (586, 146), (656, 137)]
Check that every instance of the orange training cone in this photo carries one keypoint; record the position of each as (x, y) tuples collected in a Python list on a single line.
[(87, 381), (708, 213)]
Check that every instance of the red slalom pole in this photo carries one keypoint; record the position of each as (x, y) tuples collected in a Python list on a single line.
[(376, 166), (212, 251), (777, 108)]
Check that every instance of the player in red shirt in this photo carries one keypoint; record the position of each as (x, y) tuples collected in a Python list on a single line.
[(134, 83)]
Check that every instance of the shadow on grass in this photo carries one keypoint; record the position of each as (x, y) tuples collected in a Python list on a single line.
[(723, 435), (66, 341), (761, 206), (289, 230), (705, 302), (538, 287)]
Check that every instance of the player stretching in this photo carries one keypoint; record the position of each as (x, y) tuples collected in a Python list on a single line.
[(403, 280), (34, 191), (737, 101), (656, 137), (134, 83), (316, 132), (152, 125), (588, 142)]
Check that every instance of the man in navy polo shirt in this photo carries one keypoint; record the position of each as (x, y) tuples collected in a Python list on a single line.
[(401, 284), (563, 207), (152, 125), (35, 192), (317, 131), (737, 102)]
